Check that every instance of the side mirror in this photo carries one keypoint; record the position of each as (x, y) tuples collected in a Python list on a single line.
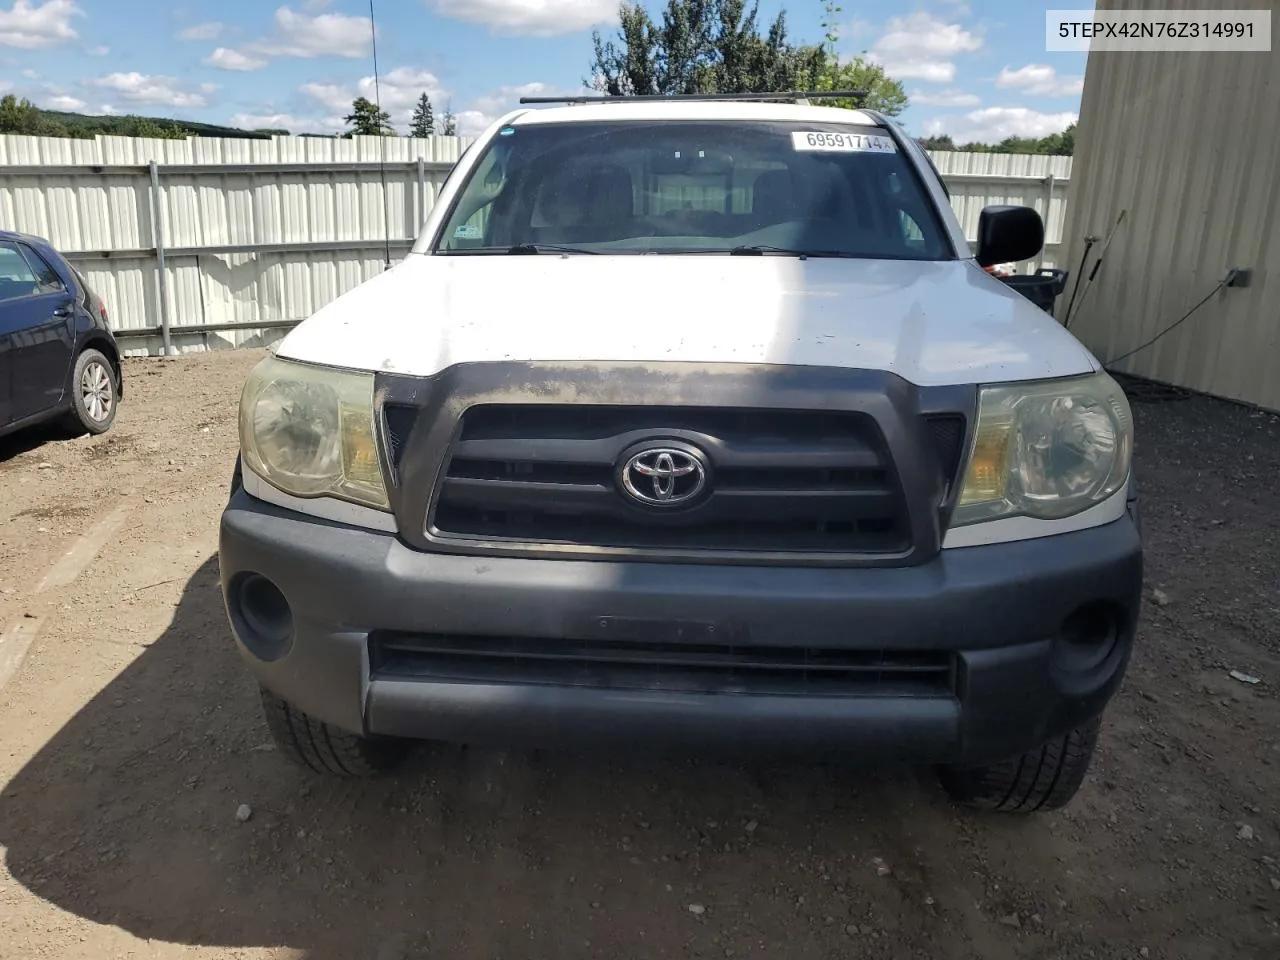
[(1008, 234)]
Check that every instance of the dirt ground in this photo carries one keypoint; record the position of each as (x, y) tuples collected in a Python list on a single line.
[(130, 734)]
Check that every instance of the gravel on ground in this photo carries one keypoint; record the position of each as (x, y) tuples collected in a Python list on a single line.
[(144, 813)]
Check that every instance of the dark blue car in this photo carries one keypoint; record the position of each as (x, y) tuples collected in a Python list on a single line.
[(58, 359)]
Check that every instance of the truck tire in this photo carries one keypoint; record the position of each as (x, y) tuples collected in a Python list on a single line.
[(325, 749), (1042, 779)]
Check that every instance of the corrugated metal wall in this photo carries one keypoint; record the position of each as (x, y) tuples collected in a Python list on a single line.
[(267, 231), (312, 230), (1187, 145)]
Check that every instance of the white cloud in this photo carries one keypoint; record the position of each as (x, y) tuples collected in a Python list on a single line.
[(33, 27), (922, 47), (141, 88), (1040, 80), (399, 91), (486, 109), (202, 31), (945, 98), (993, 124), (472, 123), (225, 58), (31, 74), (402, 87), (930, 71), (507, 98), (332, 95), (539, 18), (286, 121), (325, 35), (99, 51), (63, 102), (924, 35), (857, 27)]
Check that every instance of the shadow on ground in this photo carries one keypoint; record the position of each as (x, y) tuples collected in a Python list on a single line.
[(22, 441), (127, 817)]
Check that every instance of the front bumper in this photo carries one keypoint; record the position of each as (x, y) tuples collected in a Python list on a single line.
[(998, 613)]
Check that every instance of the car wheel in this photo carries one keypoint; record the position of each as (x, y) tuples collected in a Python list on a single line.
[(93, 394), (1042, 779), (325, 749)]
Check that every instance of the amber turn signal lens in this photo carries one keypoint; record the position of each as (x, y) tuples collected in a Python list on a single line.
[(988, 464)]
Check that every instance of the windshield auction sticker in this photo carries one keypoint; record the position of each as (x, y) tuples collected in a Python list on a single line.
[(822, 142)]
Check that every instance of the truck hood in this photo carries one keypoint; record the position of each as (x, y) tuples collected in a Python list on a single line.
[(932, 323)]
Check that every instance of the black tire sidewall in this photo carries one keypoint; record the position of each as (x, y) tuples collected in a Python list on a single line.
[(80, 415)]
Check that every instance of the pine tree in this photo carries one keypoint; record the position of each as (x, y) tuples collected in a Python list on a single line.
[(424, 120), (449, 123), (366, 120)]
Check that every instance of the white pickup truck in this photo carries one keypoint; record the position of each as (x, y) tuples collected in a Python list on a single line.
[(693, 424)]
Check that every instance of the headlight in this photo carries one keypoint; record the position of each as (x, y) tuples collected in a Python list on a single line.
[(1047, 450), (310, 432)]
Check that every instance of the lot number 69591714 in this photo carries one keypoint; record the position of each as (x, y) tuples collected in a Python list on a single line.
[(829, 142)]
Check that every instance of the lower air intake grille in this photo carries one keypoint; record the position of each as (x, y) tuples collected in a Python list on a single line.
[(674, 668)]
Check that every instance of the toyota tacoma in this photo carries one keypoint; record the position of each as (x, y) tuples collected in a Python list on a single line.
[(693, 423)]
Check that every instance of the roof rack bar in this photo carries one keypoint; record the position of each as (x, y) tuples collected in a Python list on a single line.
[(707, 97)]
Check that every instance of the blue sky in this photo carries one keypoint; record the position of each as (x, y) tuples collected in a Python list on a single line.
[(975, 69)]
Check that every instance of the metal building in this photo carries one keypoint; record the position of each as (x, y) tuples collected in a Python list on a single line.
[(1185, 146)]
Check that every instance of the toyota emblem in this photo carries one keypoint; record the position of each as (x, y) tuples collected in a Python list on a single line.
[(663, 476)]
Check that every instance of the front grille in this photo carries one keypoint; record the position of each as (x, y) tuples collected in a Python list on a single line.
[(782, 481), (667, 667)]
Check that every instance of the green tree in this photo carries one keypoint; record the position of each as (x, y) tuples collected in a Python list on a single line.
[(18, 116), (630, 66), (47, 126), (449, 123), (366, 120), (880, 91), (831, 11), (716, 46), (1060, 144), (1055, 144), (700, 46), (939, 142), (132, 126), (22, 116), (423, 123)]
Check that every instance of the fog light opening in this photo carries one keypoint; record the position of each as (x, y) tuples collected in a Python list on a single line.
[(1087, 638), (266, 621)]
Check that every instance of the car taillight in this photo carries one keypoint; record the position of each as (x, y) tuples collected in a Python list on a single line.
[(102, 312)]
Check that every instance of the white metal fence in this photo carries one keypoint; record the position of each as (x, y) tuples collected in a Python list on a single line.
[(977, 180), (206, 243)]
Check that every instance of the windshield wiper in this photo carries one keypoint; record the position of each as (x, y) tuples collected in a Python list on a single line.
[(760, 249), (536, 248)]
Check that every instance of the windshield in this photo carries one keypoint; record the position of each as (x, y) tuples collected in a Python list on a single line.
[(670, 187)]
